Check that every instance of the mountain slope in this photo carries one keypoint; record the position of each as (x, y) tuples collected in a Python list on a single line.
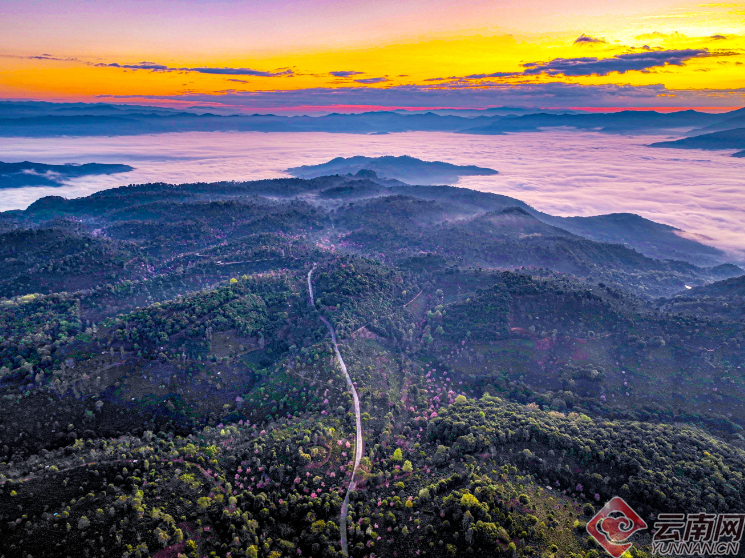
[(404, 168), (169, 388), (617, 122), (54, 119), (727, 139)]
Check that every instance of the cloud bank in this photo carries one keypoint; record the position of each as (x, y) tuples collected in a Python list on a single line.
[(345, 73), (465, 95), (561, 172), (621, 63), (370, 81), (152, 66), (593, 66), (586, 39)]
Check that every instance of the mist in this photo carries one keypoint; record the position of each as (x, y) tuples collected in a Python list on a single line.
[(559, 172)]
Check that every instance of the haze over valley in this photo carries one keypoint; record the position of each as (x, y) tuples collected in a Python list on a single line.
[(566, 173)]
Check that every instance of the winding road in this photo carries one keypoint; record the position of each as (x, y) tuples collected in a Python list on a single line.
[(358, 439)]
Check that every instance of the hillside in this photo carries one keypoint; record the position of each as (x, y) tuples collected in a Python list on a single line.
[(651, 239), (727, 139), (722, 299), (404, 168), (16, 175), (169, 388)]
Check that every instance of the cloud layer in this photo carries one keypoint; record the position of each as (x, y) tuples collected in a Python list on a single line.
[(370, 81), (621, 63), (465, 95), (593, 66), (561, 172), (586, 39), (345, 73), (152, 66)]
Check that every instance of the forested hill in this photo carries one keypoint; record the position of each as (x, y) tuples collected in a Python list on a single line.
[(726, 139), (167, 387), (26, 173)]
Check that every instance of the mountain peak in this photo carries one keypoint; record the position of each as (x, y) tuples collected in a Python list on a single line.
[(515, 210)]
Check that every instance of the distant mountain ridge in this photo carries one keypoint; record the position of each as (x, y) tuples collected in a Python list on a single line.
[(617, 122), (26, 173), (399, 219), (404, 168), (653, 239), (727, 139), (76, 119)]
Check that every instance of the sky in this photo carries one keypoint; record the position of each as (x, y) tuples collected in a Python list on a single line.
[(351, 55)]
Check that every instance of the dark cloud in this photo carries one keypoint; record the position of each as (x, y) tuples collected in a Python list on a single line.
[(200, 70), (592, 66), (621, 63), (240, 80), (345, 73), (141, 66), (47, 57), (475, 76), (586, 39), (41, 57), (492, 75), (372, 80), (237, 72), (717, 37)]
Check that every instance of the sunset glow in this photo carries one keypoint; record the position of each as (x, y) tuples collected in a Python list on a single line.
[(285, 55)]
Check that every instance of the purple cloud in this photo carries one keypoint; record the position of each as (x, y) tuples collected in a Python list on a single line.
[(593, 66), (586, 39), (372, 80), (200, 70), (474, 76), (237, 72), (345, 73), (41, 57), (717, 37), (141, 66), (51, 57), (621, 63), (482, 76)]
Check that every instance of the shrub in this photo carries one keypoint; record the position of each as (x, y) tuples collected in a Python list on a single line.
[(468, 500)]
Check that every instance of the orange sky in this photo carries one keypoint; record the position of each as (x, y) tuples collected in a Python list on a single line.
[(229, 52)]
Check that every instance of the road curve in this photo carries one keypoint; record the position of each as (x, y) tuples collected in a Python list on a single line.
[(358, 439)]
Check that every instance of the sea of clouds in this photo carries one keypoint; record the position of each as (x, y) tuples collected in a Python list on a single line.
[(560, 172)]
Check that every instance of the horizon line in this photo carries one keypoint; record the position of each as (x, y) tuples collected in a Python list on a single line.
[(351, 109)]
